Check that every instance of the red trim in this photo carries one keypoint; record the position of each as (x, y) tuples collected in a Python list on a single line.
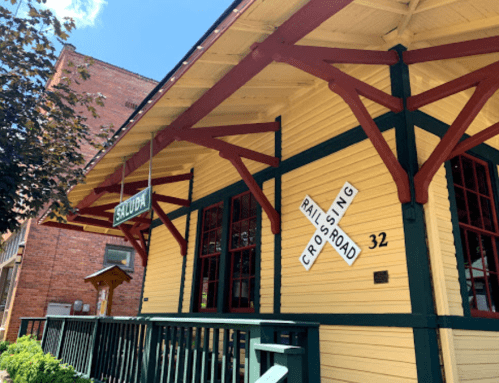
[(475, 140), (275, 218), (132, 187), (451, 51), (95, 222), (97, 209), (172, 200), (65, 226), (347, 56), (142, 251), (423, 177), (168, 223)]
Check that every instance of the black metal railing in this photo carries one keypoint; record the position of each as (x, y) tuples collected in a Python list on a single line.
[(125, 349), (32, 326)]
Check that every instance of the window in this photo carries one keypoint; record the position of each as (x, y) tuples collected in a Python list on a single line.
[(238, 256), (119, 255), (479, 233)]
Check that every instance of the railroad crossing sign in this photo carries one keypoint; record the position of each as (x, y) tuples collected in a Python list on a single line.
[(327, 229)]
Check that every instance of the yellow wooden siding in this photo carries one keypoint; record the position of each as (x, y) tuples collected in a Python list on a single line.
[(267, 255), (477, 355), (176, 189), (331, 286), (319, 114), (439, 231), (367, 354), (164, 269), (189, 267), (213, 172)]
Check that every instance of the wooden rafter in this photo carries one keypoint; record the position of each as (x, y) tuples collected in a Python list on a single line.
[(407, 18), (140, 249), (171, 227), (475, 140)]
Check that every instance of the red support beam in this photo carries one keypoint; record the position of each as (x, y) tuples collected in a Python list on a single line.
[(203, 139), (168, 223), (233, 130), (65, 226), (95, 222), (475, 104), (475, 140), (141, 251), (451, 51), (142, 240), (173, 200), (97, 209), (275, 219), (133, 186), (350, 96), (348, 56), (300, 24), (327, 72), (467, 81), (109, 217)]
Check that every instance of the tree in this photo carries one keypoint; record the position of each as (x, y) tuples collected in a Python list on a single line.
[(41, 131)]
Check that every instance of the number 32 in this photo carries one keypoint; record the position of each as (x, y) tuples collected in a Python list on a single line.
[(382, 243)]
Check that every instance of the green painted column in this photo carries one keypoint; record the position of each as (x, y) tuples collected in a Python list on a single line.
[(420, 287)]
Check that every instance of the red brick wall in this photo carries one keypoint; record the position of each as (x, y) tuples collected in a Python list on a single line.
[(55, 260)]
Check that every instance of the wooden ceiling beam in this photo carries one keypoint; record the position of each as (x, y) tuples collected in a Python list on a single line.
[(458, 29), (384, 5), (273, 84), (407, 18), (432, 4)]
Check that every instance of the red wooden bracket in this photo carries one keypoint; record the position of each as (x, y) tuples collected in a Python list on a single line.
[(475, 140), (275, 219), (347, 56), (451, 51), (95, 222), (97, 209), (142, 240), (109, 217), (172, 200), (140, 250), (65, 226), (132, 187), (351, 97), (234, 130), (168, 223), (441, 153)]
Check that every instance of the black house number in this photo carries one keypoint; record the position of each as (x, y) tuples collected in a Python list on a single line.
[(382, 240)]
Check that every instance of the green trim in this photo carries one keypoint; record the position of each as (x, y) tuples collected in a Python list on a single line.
[(468, 323), (145, 268), (418, 267), (195, 272), (258, 255), (457, 240), (187, 229), (277, 207)]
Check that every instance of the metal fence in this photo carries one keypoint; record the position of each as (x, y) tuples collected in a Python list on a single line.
[(133, 350)]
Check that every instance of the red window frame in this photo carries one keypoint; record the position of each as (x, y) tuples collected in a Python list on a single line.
[(242, 252), (479, 233), (209, 258)]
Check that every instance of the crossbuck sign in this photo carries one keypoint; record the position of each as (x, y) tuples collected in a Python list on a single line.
[(327, 229)]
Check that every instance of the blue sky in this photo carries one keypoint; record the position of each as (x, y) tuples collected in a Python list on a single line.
[(148, 37)]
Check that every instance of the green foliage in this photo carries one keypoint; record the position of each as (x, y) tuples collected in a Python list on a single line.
[(41, 130), (26, 363), (3, 346)]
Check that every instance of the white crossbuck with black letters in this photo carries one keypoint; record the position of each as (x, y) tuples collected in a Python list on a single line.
[(328, 229)]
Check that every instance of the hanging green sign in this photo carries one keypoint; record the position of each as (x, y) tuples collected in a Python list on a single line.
[(132, 207)]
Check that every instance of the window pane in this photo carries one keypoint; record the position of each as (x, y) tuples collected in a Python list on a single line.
[(488, 222), (481, 175), (469, 174), (245, 205), (254, 205), (461, 205), (474, 209), (118, 257), (456, 171)]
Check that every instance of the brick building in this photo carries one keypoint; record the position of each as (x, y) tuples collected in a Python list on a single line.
[(54, 261)]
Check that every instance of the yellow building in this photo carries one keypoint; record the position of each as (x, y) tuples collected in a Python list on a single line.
[(290, 115)]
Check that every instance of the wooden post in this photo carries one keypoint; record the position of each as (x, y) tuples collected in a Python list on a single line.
[(257, 335), (151, 353)]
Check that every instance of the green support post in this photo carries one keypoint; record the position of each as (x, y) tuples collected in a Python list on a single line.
[(312, 365), (23, 328), (61, 339), (258, 335), (151, 353), (44, 336), (93, 347)]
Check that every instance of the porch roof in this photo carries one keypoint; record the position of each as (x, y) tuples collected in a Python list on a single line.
[(177, 102)]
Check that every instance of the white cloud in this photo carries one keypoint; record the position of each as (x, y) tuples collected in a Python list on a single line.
[(83, 12)]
